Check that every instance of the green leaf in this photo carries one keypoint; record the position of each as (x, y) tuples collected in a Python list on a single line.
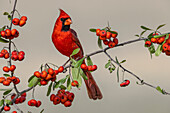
[(42, 111), (6, 75), (56, 85), (100, 43), (5, 89), (142, 33), (118, 74), (122, 61), (33, 82), (158, 36), (6, 13), (7, 92), (89, 61), (92, 30), (9, 17), (31, 78), (83, 75), (75, 52), (117, 60), (60, 82), (63, 87), (79, 79), (1, 102), (107, 64), (49, 89), (150, 35), (160, 26), (160, 90), (145, 28), (137, 35), (3, 40), (158, 50), (79, 62), (69, 84), (8, 101), (151, 49)]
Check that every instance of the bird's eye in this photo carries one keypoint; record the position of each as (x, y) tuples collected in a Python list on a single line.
[(62, 19)]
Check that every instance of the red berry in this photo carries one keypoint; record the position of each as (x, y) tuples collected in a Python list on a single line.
[(37, 74), (22, 99), (114, 35), (15, 21), (2, 79), (102, 38), (148, 43), (6, 83), (102, 33), (60, 69), (153, 40), (4, 51), (12, 68), (43, 74), (23, 18), (115, 40), (61, 91), (98, 32), (17, 81), (33, 102), (74, 83), (111, 44), (70, 96), (108, 35), (67, 104), (6, 108), (1, 55), (56, 100), (122, 84), (21, 53), (13, 96), (14, 57), (3, 34), (50, 71), (5, 69), (38, 103), (22, 23), (63, 98), (8, 32), (52, 97), (127, 82), (55, 72), (49, 77), (89, 68), (155, 34), (105, 42), (43, 82), (6, 56), (94, 67), (165, 47), (20, 57), (14, 112), (24, 94), (84, 66), (14, 52)]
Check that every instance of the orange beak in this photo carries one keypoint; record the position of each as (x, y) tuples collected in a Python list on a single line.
[(68, 22)]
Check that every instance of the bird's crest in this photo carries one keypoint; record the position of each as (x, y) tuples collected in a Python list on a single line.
[(63, 14)]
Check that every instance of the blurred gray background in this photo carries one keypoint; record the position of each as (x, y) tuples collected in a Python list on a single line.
[(125, 17)]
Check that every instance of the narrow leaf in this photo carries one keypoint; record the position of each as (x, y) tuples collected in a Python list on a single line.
[(75, 51), (31, 78), (42, 111), (159, 89), (145, 28), (89, 61), (150, 35), (114, 32), (7, 92), (158, 36), (107, 65), (160, 26), (49, 89), (6, 75), (9, 17), (142, 32), (123, 61), (100, 43), (33, 82), (5, 89), (69, 84), (79, 62), (1, 102), (3, 40), (118, 74), (62, 87), (79, 79), (117, 60), (92, 30), (6, 13), (137, 35), (158, 50)]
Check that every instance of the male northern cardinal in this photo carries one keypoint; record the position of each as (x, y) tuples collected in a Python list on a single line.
[(65, 40)]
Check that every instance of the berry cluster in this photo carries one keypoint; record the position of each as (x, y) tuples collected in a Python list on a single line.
[(125, 83), (166, 47), (18, 55), (19, 100), (88, 68), (48, 74), (10, 34), (64, 97), (107, 37), (6, 81), (4, 54), (7, 69), (20, 22), (35, 103)]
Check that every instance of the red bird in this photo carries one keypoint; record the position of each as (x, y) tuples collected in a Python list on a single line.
[(65, 40)]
